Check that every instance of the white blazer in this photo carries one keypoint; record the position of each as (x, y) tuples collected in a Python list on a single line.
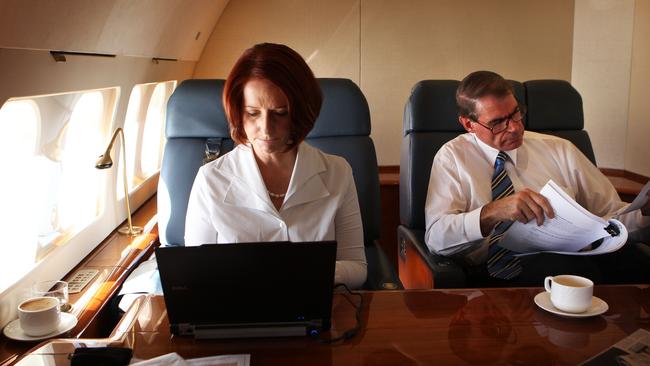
[(229, 203)]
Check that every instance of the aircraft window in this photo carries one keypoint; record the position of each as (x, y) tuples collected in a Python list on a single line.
[(153, 131), (79, 202), (134, 117), (145, 123), (19, 136), (50, 189)]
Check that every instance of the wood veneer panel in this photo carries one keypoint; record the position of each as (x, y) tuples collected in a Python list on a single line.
[(414, 272), (115, 258), (446, 327)]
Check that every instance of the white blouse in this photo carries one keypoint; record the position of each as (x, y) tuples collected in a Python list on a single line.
[(229, 203)]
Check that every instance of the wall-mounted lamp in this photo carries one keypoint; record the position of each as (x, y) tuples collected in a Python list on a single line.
[(105, 162)]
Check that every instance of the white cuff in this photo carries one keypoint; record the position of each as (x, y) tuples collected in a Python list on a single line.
[(472, 224)]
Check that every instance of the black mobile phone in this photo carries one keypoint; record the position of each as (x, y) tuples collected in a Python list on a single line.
[(101, 356)]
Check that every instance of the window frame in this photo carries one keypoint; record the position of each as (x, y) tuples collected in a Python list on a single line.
[(76, 240)]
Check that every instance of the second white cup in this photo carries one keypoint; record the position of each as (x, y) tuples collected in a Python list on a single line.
[(58, 289), (569, 293)]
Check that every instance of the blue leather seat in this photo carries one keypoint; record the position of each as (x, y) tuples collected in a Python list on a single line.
[(555, 108), (343, 128), (430, 120), (195, 114)]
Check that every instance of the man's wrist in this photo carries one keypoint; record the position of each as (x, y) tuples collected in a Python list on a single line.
[(486, 219)]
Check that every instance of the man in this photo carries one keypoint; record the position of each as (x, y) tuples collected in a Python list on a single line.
[(485, 179)]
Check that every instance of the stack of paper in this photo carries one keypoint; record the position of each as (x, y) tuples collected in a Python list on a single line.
[(174, 359), (571, 230)]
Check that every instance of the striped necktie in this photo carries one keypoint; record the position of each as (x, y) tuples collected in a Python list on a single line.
[(501, 262)]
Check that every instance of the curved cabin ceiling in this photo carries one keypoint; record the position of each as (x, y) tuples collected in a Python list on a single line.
[(148, 28)]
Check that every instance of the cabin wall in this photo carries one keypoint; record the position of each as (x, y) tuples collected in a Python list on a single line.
[(31, 72), (602, 52), (637, 146), (150, 28), (134, 31), (386, 46), (325, 33)]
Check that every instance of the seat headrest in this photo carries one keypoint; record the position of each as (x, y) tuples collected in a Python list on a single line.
[(195, 110), (344, 112), (432, 106), (553, 105)]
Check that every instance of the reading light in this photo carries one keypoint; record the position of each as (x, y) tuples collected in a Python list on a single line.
[(105, 162)]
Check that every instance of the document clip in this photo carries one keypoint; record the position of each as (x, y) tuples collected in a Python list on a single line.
[(612, 229), (212, 149)]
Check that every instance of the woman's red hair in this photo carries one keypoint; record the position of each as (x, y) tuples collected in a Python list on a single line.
[(286, 69)]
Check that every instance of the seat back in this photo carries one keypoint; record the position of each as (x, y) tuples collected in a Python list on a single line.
[(194, 115), (430, 120), (555, 108), (343, 129)]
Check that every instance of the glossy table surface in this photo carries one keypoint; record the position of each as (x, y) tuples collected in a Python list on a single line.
[(422, 327)]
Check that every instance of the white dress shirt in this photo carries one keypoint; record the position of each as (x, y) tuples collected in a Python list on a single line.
[(459, 187), (229, 203)]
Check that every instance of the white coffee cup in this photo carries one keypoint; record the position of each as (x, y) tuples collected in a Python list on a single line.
[(39, 315), (569, 293)]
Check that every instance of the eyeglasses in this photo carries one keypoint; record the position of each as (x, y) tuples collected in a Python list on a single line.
[(499, 125)]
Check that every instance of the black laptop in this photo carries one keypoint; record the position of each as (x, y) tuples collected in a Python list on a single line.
[(248, 289)]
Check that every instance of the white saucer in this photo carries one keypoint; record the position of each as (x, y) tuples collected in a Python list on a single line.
[(598, 306), (14, 331)]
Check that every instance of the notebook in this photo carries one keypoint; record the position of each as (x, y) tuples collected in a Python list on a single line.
[(248, 289)]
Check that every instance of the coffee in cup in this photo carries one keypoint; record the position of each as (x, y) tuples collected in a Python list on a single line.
[(569, 293), (39, 315)]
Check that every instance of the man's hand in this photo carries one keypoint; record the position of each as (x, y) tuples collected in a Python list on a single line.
[(645, 210), (522, 206)]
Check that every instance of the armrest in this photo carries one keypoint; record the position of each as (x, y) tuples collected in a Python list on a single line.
[(419, 268), (381, 274)]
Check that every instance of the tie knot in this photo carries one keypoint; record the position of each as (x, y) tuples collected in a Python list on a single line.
[(501, 159)]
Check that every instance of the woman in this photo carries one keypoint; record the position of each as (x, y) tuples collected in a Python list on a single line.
[(272, 186)]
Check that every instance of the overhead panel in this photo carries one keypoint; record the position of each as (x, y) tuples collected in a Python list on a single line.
[(148, 28)]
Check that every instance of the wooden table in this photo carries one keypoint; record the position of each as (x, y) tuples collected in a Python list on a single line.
[(418, 327)]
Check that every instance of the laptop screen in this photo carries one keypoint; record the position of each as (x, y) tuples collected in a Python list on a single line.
[(247, 285)]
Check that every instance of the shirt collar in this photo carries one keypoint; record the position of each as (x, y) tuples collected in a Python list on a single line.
[(305, 184), (491, 153)]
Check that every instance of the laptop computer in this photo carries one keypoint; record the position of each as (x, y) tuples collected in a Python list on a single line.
[(248, 289)]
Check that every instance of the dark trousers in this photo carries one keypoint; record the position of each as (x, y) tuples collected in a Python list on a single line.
[(628, 265)]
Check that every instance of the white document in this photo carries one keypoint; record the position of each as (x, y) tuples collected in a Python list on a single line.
[(145, 279), (174, 359), (226, 360), (572, 229)]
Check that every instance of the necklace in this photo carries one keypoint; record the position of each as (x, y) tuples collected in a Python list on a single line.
[(276, 195)]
